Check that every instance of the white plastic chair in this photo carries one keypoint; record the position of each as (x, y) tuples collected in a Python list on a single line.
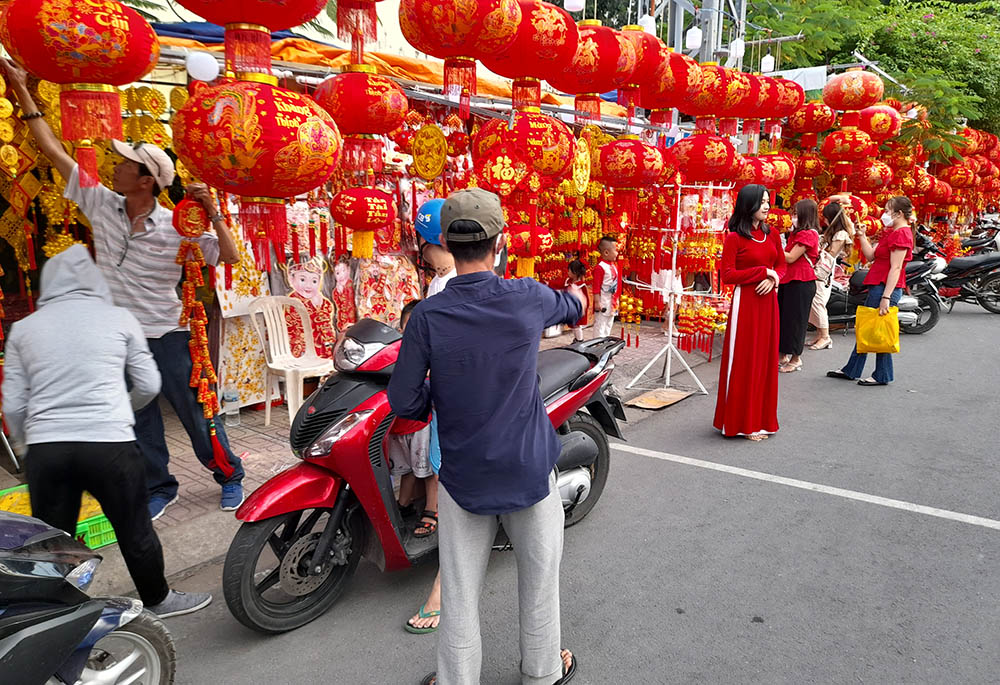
[(268, 316)]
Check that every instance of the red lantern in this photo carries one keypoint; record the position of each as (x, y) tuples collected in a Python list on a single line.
[(364, 105), (364, 211), (676, 81), (871, 176), (939, 193), (650, 55), (259, 141), (545, 44), (88, 47), (604, 60), (922, 181), (771, 171), (791, 97), (741, 94), (705, 158), (526, 243), (544, 143), (853, 90), (811, 119), (881, 122), (710, 99), (958, 176), (779, 219), (844, 147), (459, 32), (900, 157), (627, 165), (809, 165), (458, 143)]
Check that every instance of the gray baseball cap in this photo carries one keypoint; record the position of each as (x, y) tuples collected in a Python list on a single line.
[(474, 204)]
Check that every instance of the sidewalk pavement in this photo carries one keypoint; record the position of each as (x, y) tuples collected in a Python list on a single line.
[(195, 532)]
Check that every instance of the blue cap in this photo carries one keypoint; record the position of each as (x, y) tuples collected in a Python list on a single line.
[(429, 221)]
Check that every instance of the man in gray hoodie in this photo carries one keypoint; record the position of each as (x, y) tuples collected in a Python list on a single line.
[(67, 371)]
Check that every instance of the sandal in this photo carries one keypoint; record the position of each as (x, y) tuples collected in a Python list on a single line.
[(410, 628), (790, 368), (428, 524), (568, 673), (825, 346)]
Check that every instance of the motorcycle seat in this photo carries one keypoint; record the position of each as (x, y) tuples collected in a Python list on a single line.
[(918, 268), (558, 368), (960, 264), (976, 242), (858, 278)]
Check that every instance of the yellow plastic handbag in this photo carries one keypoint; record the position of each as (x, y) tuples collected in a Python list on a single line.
[(877, 333)]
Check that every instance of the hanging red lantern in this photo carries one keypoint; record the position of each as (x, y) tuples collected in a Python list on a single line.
[(364, 211), (922, 181), (900, 156), (844, 147), (704, 158), (853, 90), (771, 171), (742, 90), (543, 142), (958, 176), (626, 165), (545, 44), (676, 81), (871, 176), (458, 143), (88, 48), (261, 142), (762, 104), (650, 55), (939, 193), (604, 60), (779, 219), (811, 119), (881, 122), (791, 97), (710, 98), (809, 165), (459, 32), (364, 105)]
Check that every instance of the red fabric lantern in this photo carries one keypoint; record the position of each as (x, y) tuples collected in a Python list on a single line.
[(742, 90), (811, 119), (899, 156), (922, 181), (364, 105), (88, 47), (545, 44), (676, 81), (650, 55), (627, 165), (261, 142), (871, 176), (543, 142), (604, 60), (710, 98), (364, 211), (853, 90), (791, 97), (809, 165), (459, 32), (939, 193), (705, 158), (779, 219), (771, 171), (958, 176), (844, 147), (881, 122)]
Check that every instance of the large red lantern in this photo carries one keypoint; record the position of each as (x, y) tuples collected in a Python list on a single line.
[(544, 143), (852, 91), (249, 24), (771, 171), (791, 96), (939, 193), (364, 105), (650, 55), (881, 122), (809, 165), (705, 158), (676, 82), (900, 157), (844, 147), (958, 176), (741, 94), (871, 176), (459, 32), (261, 142), (88, 47), (761, 104), (364, 211), (627, 165), (710, 98), (811, 119), (604, 60), (545, 44)]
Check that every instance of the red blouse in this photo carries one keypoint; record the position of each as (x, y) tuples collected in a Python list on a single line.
[(892, 240), (802, 268)]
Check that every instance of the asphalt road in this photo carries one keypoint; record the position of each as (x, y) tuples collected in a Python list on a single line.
[(685, 574)]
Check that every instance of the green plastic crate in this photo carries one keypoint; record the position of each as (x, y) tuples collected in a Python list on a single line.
[(95, 532)]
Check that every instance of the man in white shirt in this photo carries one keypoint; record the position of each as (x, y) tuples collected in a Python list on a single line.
[(136, 248)]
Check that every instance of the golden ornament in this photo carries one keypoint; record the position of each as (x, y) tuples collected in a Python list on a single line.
[(9, 156), (178, 96), (6, 131), (6, 108), (48, 91), (430, 152)]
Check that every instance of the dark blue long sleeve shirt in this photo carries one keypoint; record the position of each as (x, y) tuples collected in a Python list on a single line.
[(479, 340)]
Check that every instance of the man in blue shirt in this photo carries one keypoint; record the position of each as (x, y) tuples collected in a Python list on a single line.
[(479, 340)]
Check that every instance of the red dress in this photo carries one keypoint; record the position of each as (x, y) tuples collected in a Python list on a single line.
[(748, 379)]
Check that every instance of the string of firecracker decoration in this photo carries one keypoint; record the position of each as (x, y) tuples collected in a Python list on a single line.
[(191, 221), (630, 316)]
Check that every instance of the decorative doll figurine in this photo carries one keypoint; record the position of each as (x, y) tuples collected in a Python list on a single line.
[(305, 283), (343, 294)]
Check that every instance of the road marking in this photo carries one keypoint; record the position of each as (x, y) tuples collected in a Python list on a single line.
[(815, 487)]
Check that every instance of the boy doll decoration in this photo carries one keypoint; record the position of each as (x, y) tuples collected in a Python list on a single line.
[(305, 283), (343, 294)]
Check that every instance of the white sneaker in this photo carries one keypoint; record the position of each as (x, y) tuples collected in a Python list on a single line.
[(178, 603)]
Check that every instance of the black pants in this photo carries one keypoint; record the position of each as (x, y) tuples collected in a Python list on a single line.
[(115, 474), (794, 301)]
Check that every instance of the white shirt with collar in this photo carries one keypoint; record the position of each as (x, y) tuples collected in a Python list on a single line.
[(141, 269)]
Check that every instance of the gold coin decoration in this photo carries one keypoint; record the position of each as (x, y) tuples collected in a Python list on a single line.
[(178, 96), (48, 91), (9, 156), (152, 101), (581, 167), (430, 152), (6, 131), (6, 108)]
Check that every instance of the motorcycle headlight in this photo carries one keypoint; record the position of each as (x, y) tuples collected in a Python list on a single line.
[(83, 575), (325, 442), (349, 355)]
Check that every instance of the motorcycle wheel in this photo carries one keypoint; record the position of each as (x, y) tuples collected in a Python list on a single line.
[(265, 579), (585, 423), (930, 312), (140, 652), (991, 300)]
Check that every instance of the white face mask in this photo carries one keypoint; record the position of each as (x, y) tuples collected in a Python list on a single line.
[(886, 219)]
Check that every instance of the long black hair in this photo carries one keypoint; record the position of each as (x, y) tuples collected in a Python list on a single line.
[(748, 203)]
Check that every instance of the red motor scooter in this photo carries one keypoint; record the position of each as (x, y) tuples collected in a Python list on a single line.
[(306, 529)]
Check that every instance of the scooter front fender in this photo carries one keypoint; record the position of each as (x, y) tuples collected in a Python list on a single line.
[(303, 486)]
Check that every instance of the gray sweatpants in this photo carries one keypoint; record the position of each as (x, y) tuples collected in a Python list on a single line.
[(465, 541)]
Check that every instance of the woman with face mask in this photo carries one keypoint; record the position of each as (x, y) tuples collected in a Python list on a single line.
[(886, 280), (752, 261), (798, 285), (836, 240)]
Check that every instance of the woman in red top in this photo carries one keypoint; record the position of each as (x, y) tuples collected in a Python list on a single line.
[(798, 285), (887, 275), (753, 261)]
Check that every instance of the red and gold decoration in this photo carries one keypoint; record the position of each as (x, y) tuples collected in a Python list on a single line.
[(810, 120), (261, 142), (545, 43), (628, 165), (364, 211), (853, 90), (710, 98), (704, 158), (881, 122), (650, 56), (88, 48), (364, 105), (357, 21), (742, 90), (604, 61), (527, 242), (676, 81)]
